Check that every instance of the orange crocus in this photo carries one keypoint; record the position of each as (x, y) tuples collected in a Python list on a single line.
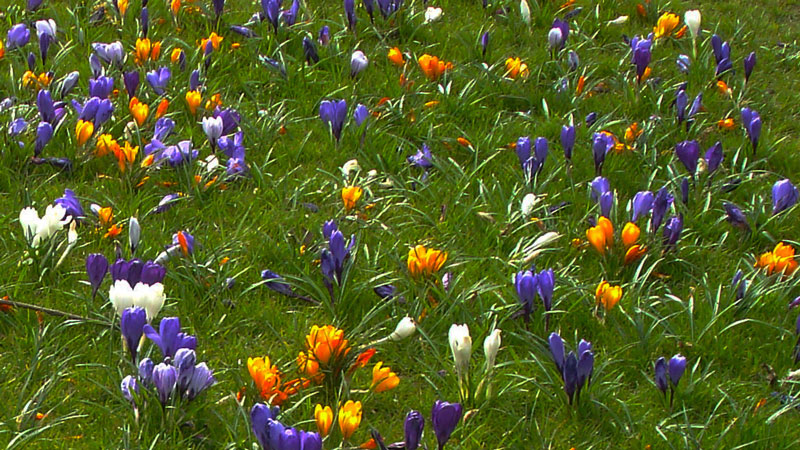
[(193, 99), (350, 196), (632, 132), (608, 295), (113, 232), (267, 379), (581, 85), (630, 234), (83, 131), (349, 418), (143, 49), (432, 67), (383, 379), (175, 6), (215, 40), (780, 260), (516, 68), (666, 24), (105, 145), (601, 236), (396, 57), (139, 110), (425, 262), (125, 155), (726, 124), (162, 108), (634, 252), (2, 50), (723, 88), (324, 418), (175, 55), (123, 6), (106, 216)]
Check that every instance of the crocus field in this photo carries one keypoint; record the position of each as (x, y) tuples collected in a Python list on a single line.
[(452, 224)]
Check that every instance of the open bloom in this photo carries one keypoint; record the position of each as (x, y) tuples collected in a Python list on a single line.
[(38, 229), (349, 418), (608, 295), (432, 67), (350, 196), (666, 25), (267, 379), (516, 68), (383, 379), (779, 260), (425, 262)]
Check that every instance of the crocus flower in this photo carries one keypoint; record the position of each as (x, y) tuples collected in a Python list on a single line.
[(44, 132), (641, 55), (132, 323), (661, 374), (603, 195), (545, 286), (332, 259), (333, 114), (714, 157), (46, 106), (784, 196), (740, 285), (608, 295), (358, 62), (324, 418), (780, 260), (460, 346), (683, 62), (681, 101), (749, 64), (568, 140), (591, 118), (17, 126), (559, 32), (169, 337), (96, 269), (484, 43), (46, 33), (601, 236), (697, 103), (212, 126), (630, 234), (556, 344), (751, 121), (158, 79), (573, 61), (350, 13), (433, 67), (432, 14), (665, 25), (324, 36), (71, 204), (677, 364), (360, 114), (693, 19), (349, 418), (18, 36), (383, 379), (661, 202), (218, 7), (602, 143), (526, 285), (688, 152), (405, 328), (412, 430), (735, 216), (642, 204), (444, 419), (425, 262), (165, 378), (128, 387)]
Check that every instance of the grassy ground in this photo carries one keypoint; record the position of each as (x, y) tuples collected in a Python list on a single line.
[(674, 302)]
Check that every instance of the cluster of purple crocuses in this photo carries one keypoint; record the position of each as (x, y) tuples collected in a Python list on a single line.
[(674, 368), (575, 369), (529, 284)]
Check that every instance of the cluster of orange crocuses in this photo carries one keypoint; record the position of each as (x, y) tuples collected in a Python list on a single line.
[(601, 236), (779, 260)]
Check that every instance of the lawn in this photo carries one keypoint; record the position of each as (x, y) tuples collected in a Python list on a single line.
[(426, 155)]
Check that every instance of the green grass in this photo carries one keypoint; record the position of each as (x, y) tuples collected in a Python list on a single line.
[(678, 301)]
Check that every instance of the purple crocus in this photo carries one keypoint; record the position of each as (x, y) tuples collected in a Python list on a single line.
[(444, 419), (218, 6), (152, 273), (526, 284), (333, 258), (484, 43), (272, 9), (101, 87), (177, 155), (672, 230), (412, 430), (260, 414), (591, 118), (324, 36), (169, 337), (735, 216), (677, 364), (642, 204), (290, 15), (681, 101), (568, 140), (18, 36), (556, 344), (661, 375), (158, 79), (17, 126), (350, 13), (422, 158), (46, 106), (132, 324), (740, 285), (131, 82), (546, 282), (71, 204), (685, 190), (661, 202), (44, 132), (714, 157), (333, 114), (360, 114), (128, 387), (784, 196), (602, 143), (688, 152), (683, 62), (749, 64), (202, 378), (602, 194), (641, 55), (751, 121), (165, 378), (570, 375), (276, 283), (96, 269)]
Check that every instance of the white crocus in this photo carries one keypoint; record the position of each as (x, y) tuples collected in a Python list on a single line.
[(693, 19), (121, 295), (405, 328), (432, 14), (212, 126), (29, 219), (149, 297), (525, 11), (619, 20), (461, 346), (528, 202), (134, 233), (490, 347), (554, 37), (37, 229), (358, 62), (47, 27), (350, 167)]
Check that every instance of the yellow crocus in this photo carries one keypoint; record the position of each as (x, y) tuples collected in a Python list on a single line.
[(516, 68), (324, 418), (350, 196), (383, 379), (349, 418), (425, 262), (139, 110), (83, 131), (193, 99), (608, 295), (630, 234), (665, 25)]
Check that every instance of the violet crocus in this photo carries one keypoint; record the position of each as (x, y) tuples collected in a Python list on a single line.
[(310, 51), (219, 5), (661, 375), (661, 202), (17, 126), (784, 196), (158, 79), (602, 143), (69, 83), (69, 201), (132, 325), (683, 62), (685, 190), (591, 118), (18, 36), (642, 204), (46, 106), (697, 103), (324, 36), (276, 283), (358, 62), (546, 283), (749, 64), (101, 87), (562, 35), (350, 13), (129, 386), (96, 269), (131, 82), (46, 33), (688, 152), (672, 230), (44, 132), (602, 194), (169, 337), (641, 55), (360, 114), (676, 367), (165, 378), (444, 419), (681, 101), (333, 114), (739, 284), (484, 40), (568, 140), (333, 258), (526, 283), (272, 12), (556, 344), (751, 121), (290, 15), (714, 157), (412, 430)]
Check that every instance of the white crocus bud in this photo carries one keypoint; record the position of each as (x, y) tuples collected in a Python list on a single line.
[(490, 347), (29, 220), (525, 11), (149, 297), (461, 346), (350, 167), (554, 37), (121, 295), (51, 221), (405, 328), (693, 19), (619, 20), (134, 233), (358, 62), (72, 234), (528, 202), (432, 14)]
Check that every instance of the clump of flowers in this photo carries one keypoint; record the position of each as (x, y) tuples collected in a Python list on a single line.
[(780, 260), (575, 369), (424, 262), (433, 67)]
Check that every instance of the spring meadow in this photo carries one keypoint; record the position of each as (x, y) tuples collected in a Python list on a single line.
[(399, 224)]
